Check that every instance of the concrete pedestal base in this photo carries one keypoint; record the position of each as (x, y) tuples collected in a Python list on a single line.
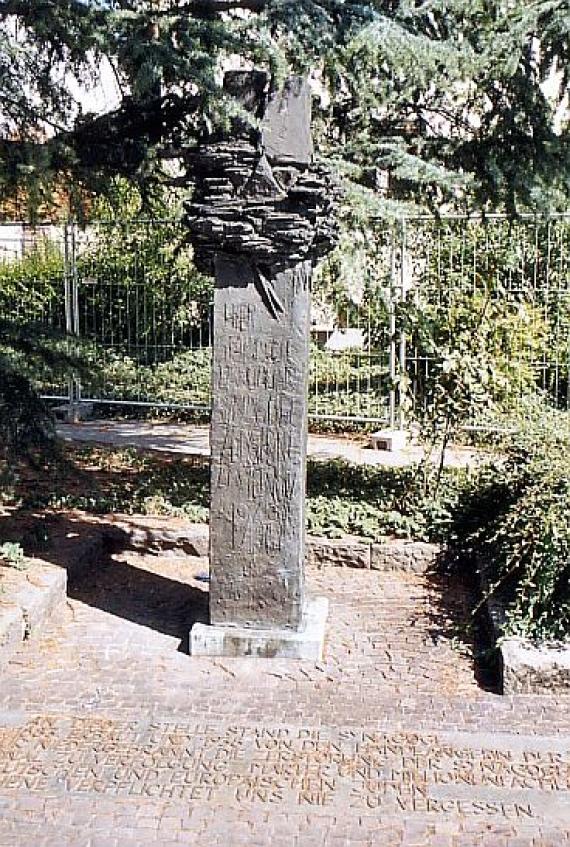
[(305, 643), (389, 440)]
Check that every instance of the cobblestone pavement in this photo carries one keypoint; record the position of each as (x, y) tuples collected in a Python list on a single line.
[(194, 440), (111, 735)]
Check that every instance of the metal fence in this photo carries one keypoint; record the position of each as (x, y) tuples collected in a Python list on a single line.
[(505, 282), (129, 294)]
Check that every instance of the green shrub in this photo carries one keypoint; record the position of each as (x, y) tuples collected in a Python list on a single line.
[(184, 379), (347, 384), (344, 385), (25, 422), (34, 351), (482, 347), (139, 291), (30, 356), (31, 287), (516, 524), (373, 502), (489, 311)]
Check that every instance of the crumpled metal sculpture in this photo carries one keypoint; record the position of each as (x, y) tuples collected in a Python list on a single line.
[(257, 192)]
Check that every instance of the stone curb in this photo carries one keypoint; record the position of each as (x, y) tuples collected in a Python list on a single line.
[(347, 552), (529, 669), (156, 535), (38, 594), (396, 554), (32, 596), (525, 667), (167, 534), (392, 554)]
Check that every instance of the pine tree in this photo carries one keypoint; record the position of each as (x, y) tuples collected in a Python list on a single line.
[(446, 96), (26, 422)]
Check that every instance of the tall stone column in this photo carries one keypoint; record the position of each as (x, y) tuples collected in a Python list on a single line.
[(260, 216)]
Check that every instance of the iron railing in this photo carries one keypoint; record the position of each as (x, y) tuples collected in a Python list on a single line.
[(129, 294), (514, 273)]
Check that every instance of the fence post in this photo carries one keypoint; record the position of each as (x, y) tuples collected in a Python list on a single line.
[(71, 315), (403, 340), (397, 353), (392, 333)]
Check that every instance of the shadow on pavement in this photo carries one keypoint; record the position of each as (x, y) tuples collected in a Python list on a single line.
[(453, 598), (143, 597), (98, 576)]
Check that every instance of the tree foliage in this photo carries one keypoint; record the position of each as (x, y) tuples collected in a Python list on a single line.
[(447, 97), (32, 351)]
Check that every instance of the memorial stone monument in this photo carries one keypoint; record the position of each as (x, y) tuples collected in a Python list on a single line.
[(260, 216)]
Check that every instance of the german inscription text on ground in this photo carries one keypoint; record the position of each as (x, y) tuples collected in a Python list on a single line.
[(111, 735)]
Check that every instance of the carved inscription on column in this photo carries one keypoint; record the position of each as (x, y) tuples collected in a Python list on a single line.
[(259, 434)]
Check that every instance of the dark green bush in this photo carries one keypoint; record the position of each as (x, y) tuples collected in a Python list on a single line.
[(516, 524), (28, 352), (31, 287), (25, 422), (374, 501)]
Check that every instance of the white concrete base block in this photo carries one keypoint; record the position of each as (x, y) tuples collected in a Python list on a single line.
[(389, 439), (530, 669), (305, 643)]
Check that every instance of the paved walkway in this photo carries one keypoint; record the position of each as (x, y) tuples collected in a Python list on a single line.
[(194, 440), (111, 736)]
